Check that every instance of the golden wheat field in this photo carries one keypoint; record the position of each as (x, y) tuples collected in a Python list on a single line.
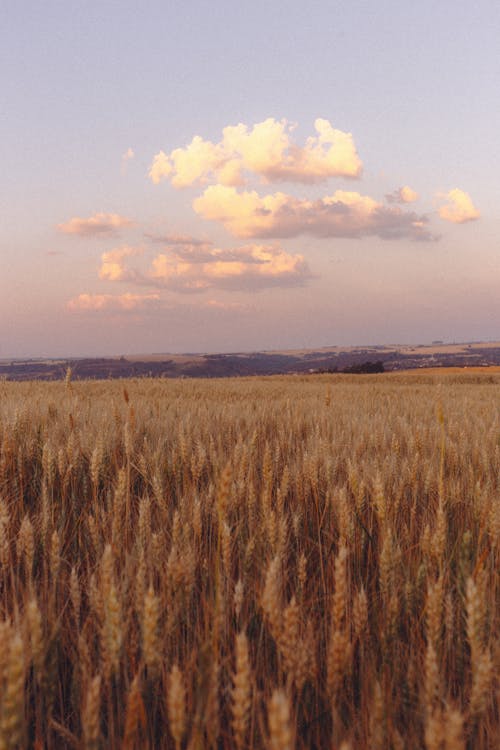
[(283, 562)]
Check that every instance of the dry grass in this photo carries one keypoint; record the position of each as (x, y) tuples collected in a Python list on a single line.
[(306, 562)]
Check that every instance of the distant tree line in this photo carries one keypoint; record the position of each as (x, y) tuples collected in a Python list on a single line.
[(365, 368)]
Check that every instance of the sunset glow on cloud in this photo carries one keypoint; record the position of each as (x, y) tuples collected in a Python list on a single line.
[(112, 267), (98, 224), (264, 153), (342, 214), (252, 267), (110, 302), (266, 150), (403, 194), (459, 209), (192, 268)]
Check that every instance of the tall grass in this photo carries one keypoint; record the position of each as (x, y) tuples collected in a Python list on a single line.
[(301, 562)]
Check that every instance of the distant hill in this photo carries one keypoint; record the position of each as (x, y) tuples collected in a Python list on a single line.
[(326, 359)]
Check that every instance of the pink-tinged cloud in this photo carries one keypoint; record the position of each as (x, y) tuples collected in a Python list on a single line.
[(403, 194), (343, 214), (127, 156), (459, 209), (98, 224), (265, 150), (112, 263), (252, 267), (195, 269), (160, 168), (111, 302), (177, 239)]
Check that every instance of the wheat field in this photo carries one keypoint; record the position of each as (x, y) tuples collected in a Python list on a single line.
[(283, 562)]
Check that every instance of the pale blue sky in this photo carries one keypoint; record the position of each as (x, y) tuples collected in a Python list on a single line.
[(417, 85)]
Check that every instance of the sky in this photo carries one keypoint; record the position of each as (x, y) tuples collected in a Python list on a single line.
[(201, 177)]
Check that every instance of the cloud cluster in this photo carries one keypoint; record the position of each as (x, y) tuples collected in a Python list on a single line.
[(265, 150), (343, 214), (98, 224), (459, 209), (111, 302), (228, 170), (192, 268)]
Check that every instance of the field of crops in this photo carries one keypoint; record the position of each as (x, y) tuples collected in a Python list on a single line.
[(284, 562)]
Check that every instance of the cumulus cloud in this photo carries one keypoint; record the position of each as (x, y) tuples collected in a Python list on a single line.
[(191, 268), (111, 302), (343, 214), (160, 168), (98, 224), (251, 267), (113, 264), (266, 150), (403, 194), (459, 208)]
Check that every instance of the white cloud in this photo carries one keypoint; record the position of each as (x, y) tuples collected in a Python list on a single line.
[(343, 214), (98, 224), (459, 208), (266, 150)]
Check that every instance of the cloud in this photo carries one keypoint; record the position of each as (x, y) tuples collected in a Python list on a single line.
[(160, 168), (110, 302), (402, 195), (459, 208), (127, 156), (191, 268), (343, 214), (113, 267), (252, 267), (265, 150), (98, 224), (176, 239)]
